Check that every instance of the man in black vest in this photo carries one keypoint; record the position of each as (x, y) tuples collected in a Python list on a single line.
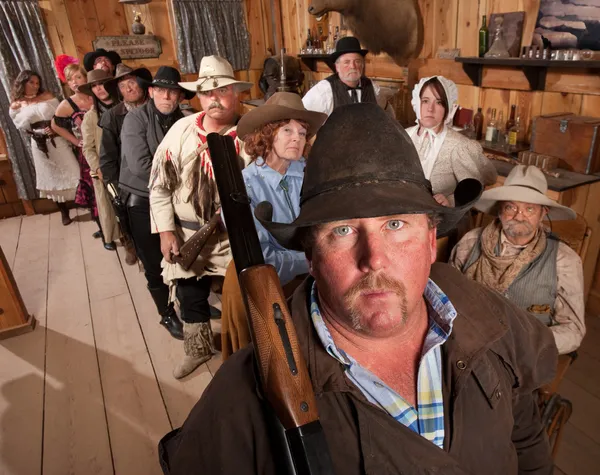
[(348, 85), (516, 256)]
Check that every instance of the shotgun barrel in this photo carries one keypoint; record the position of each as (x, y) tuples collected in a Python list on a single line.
[(300, 448)]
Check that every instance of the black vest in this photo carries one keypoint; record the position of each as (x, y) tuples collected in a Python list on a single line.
[(340, 91)]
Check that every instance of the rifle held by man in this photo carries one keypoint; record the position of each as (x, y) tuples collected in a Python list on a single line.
[(285, 381)]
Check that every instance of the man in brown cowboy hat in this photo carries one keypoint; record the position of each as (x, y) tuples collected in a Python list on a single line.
[(416, 368), (143, 130), (348, 85), (101, 59), (183, 197), (125, 85), (516, 256)]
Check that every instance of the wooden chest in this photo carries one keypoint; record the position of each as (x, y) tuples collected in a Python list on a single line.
[(573, 139)]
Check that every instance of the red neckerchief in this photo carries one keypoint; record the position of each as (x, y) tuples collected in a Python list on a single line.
[(205, 161)]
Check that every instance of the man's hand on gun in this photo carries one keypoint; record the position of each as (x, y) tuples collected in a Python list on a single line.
[(169, 245)]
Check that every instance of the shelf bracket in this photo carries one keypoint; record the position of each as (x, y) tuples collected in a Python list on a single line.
[(474, 71), (536, 77)]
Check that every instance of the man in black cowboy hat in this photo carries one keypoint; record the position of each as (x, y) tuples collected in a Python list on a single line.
[(416, 368), (101, 59), (127, 85), (142, 132), (348, 85)]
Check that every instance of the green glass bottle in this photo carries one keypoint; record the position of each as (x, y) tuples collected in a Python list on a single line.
[(484, 35)]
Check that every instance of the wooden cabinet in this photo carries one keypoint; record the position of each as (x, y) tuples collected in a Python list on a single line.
[(10, 204)]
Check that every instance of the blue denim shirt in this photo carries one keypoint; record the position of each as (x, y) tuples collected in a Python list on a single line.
[(283, 192)]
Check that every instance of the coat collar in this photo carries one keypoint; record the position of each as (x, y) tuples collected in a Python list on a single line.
[(477, 326)]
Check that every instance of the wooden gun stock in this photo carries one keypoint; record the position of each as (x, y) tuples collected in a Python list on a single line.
[(190, 250), (284, 379)]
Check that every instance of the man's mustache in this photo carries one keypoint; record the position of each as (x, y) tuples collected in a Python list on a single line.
[(215, 105), (374, 283)]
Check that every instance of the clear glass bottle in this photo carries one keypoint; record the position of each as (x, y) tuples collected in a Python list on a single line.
[(511, 120), (500, 136), (309, 42), (498, 48), (483, 37), (491, 131), (336, 36)]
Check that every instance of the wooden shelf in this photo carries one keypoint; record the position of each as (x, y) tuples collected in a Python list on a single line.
[(534, 69), (310, 60)]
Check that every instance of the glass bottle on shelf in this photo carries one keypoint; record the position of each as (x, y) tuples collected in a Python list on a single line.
[(478, 124), (483, 37), (309, 43), (491, 132), (336, 36), (498, 48), (511, 121), (500, 140), (513, 134)]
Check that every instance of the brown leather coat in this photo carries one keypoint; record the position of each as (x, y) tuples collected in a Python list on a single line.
[(495, 358)]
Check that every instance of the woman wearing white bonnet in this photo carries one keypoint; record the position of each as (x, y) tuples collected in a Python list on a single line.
[(447, 156)]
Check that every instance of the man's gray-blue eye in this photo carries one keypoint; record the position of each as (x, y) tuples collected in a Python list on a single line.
[(395, 224)]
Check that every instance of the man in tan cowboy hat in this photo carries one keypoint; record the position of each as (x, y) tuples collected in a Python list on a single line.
[(416, 369), (183, 197), (348, 85), (519, 258)]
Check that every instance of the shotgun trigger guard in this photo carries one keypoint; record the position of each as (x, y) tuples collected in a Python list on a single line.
[(285, 340)]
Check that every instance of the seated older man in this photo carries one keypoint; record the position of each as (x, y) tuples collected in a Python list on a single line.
[(519, 258)]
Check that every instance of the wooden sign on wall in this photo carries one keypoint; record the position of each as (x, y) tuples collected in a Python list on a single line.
[(130, 46)]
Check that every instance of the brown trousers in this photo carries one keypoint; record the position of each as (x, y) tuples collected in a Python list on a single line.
[(235, 332)]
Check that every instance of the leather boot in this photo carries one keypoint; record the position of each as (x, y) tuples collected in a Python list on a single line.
[(198, 347), (172, 323), (130, 255), (64, 211)]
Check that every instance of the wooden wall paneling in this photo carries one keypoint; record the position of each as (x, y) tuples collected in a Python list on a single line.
[(590, 106), (292, 38), (504, 78), (445, 19), (590, 267), (259, 30), (525, 105), (531, 8), (427, 12), (63, 27), (468, 96), (84, 24), (443, 67), (111, 18), (500, 6), (53, 36), (553, 102), (584, 82), (467, 27)]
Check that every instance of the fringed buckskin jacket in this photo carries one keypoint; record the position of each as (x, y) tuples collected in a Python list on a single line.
[(181, 152), (493, 362)]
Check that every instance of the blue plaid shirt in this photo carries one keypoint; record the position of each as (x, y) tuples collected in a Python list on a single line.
[(428, 418)]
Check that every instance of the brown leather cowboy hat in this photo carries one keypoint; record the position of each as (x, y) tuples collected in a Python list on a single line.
[(363, 164), (143, 76), (95, 76), (280, 106)]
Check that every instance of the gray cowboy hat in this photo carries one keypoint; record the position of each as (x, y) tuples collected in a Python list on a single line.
[(169, 78), (141, 74), (363, 164), (280, 106), (526, 184), (95, 76)]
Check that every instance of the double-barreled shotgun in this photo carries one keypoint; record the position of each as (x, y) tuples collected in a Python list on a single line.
[(297, 440)]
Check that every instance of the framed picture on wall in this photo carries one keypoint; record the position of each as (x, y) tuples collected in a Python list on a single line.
[(512, 27), (569, 24)]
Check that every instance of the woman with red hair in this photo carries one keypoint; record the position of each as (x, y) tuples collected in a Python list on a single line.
[(276, 138)]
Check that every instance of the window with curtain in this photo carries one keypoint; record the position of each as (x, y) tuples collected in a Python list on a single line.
[(206, 27), (23, 45)]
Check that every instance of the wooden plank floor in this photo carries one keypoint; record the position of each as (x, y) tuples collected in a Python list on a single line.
[(90, 391)]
